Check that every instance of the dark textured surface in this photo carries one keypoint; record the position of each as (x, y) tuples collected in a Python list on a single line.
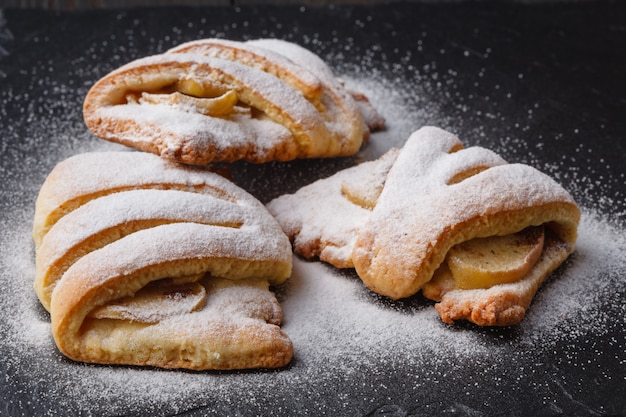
[(541, 84)]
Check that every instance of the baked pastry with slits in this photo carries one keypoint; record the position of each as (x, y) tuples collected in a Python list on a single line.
[(218, 100), (472, 232), (142, 261)]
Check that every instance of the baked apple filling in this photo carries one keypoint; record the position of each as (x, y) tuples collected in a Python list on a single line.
[(194, 96), (489, 261)]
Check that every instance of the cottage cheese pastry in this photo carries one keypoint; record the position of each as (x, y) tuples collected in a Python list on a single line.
[(219, 100), (142, 261), (474, 233)]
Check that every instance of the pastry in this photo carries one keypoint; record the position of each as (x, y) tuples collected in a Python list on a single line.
[(142, 261), (401, 221), (217, 100)]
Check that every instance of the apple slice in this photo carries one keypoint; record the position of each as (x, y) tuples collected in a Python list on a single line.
[(485, 262), (155, 302), (199, 88), (216, 106)]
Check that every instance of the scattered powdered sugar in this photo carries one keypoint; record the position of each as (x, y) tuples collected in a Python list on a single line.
[(348, 342), (597, 267), (339, 331)]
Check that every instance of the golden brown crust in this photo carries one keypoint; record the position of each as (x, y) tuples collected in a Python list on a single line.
[(162, 223)]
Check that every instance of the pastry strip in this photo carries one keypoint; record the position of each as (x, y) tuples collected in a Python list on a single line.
[(349, 112), (68, 187), (109, 218), (297, 76)]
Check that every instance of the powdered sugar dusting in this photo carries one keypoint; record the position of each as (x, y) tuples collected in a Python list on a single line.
[(343, 335), (335, 324)]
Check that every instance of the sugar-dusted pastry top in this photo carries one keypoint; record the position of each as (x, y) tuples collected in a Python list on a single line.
[(397, 218), (67, 187), (218, 100), (146, 262)]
